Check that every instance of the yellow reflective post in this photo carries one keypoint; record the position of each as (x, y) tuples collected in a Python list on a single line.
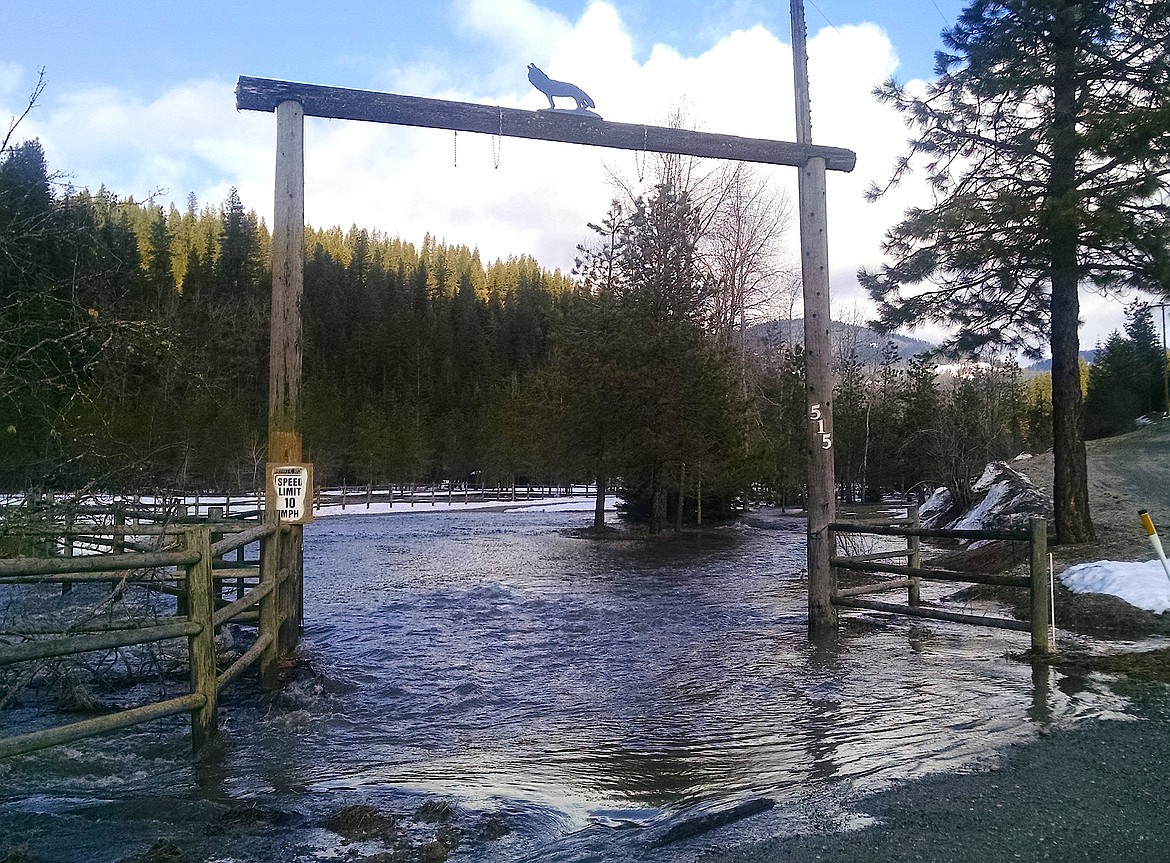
[(1155, 540)]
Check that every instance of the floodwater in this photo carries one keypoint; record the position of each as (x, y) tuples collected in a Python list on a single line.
[(569, 699)]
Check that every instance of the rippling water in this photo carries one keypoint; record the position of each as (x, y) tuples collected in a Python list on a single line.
[(578, 696)]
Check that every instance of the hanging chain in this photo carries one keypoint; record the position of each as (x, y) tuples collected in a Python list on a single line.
[(640, 158), (456, 147), (498, 142)]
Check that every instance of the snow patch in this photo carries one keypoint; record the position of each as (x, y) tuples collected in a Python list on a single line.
[(1143, 585), (1005, 499)]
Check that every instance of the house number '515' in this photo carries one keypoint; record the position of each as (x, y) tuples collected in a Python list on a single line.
[(816, 416)]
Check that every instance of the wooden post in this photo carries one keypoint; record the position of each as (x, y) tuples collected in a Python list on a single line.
[(201, 646), (119, 546), (214, 513), (1041, 587), (814, 253), (270, 607), (288, 252), (119, 530), (914, 554), (290, 610), (67, 551), (284, 356)]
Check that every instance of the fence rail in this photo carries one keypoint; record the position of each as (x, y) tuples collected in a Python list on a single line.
[(1037, 582), (195, 571)]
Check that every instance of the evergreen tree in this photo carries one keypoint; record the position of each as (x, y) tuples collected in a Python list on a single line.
[(1125, 380), (1043, 141), (887, 428), (158, 263), (673, 389), (920, 422), (72, 337), (850, 426), (1139, 326)]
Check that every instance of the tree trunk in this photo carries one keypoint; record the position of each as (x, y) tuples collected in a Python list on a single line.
[(1070, 486), (682, 483), (657, 504), (599, 507)]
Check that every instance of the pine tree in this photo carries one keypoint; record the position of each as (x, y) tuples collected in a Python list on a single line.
[(664, 374), (1043, 140), (1151, 359), (1125, 380)]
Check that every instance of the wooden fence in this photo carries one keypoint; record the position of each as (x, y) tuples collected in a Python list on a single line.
[(195, 506), (1038, 581), (212, 590), (446, 492)]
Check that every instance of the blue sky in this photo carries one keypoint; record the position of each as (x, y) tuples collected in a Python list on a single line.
[(148, 47), (140, 98)]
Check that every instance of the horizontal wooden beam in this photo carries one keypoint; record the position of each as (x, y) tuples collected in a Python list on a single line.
[(71, 644), (47, 737), (880, 587), (934, 614), (929, 533), (337, 103), (933, 574), (25, 568)]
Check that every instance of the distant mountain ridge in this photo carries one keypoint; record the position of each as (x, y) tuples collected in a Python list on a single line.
[(867, 342), (1046, 365)]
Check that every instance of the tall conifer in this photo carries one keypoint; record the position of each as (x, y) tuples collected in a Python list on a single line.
[(1044, 138)]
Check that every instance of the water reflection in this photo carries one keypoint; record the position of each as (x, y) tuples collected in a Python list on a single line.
[(581, 687)]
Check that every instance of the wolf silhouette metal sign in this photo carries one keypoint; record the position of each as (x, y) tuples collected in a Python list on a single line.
[(564, 89)]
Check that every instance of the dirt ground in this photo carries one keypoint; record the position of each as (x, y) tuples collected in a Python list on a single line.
[(1126, 473)]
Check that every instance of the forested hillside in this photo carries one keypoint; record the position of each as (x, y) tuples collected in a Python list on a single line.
[(133, 352)]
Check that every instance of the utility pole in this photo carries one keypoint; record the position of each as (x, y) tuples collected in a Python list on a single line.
[(1165, 362), (288, 244), (814, 256)]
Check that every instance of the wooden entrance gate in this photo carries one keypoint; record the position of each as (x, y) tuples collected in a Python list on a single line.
[(292, 102)]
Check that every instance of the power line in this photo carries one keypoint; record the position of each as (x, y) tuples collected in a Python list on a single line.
[(823, 15)]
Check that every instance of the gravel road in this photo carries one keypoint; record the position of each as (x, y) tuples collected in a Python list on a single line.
[(1126, 473), (1097, 793)]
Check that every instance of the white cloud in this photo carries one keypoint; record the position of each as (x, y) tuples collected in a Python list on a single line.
[(519, 28), (11, 79), (191, 139), (540, 197)]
